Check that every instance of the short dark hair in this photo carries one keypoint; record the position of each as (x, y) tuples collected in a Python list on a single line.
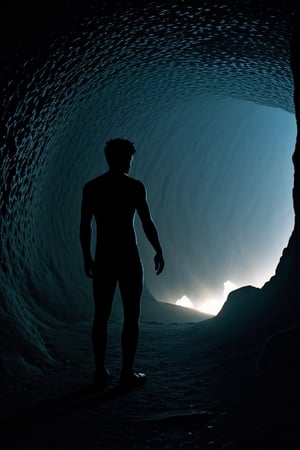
[(117, 149)]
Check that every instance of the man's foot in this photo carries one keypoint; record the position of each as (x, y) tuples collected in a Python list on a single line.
[(130, 380), (101, 378)]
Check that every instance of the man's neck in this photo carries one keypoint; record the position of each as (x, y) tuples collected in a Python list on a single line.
[(117, 172)]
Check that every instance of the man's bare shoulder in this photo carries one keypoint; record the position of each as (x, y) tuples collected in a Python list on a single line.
[(94, 183), (106, 181), (136, 183)]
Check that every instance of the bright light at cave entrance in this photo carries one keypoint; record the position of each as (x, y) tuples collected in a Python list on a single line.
[(213, 306), (228, 287), (185, 302)]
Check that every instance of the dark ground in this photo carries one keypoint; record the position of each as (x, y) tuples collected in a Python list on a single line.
[(196, 396)]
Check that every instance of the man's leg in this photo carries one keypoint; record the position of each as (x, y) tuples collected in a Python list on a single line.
[(131, 287), (104, 286)]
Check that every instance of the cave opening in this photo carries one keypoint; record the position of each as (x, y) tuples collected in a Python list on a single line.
[(181, 105)]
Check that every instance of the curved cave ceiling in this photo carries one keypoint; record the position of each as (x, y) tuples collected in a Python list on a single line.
[(204, 90)]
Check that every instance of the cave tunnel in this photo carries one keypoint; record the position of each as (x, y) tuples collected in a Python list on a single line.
[(203, 89)]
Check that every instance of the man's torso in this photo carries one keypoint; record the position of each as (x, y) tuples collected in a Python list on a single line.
[(114, 199)]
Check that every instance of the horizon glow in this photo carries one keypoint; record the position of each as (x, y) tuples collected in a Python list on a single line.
[(211, 306)]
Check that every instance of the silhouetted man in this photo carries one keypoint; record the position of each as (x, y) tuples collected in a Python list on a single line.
[(113, 198)]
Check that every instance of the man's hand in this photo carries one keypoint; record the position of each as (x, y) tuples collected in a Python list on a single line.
[(159, 263), (88, 268)]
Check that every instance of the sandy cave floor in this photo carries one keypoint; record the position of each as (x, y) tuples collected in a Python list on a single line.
[(192, 398)]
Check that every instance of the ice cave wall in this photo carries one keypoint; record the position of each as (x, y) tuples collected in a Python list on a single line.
[(62, 98)]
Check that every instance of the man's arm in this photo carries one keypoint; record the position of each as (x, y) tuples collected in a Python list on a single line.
[(86, 233), (150, 230)]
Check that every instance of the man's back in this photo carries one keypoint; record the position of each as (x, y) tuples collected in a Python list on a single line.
[(113, 199)]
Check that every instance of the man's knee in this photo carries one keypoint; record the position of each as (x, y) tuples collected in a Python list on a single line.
[(132, 314)]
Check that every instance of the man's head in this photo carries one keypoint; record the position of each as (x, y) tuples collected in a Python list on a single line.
[(118, 153)]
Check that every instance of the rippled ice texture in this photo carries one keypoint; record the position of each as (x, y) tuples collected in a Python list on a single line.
[(194, 85)]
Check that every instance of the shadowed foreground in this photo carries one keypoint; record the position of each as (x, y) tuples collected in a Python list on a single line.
[(210, 395)]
